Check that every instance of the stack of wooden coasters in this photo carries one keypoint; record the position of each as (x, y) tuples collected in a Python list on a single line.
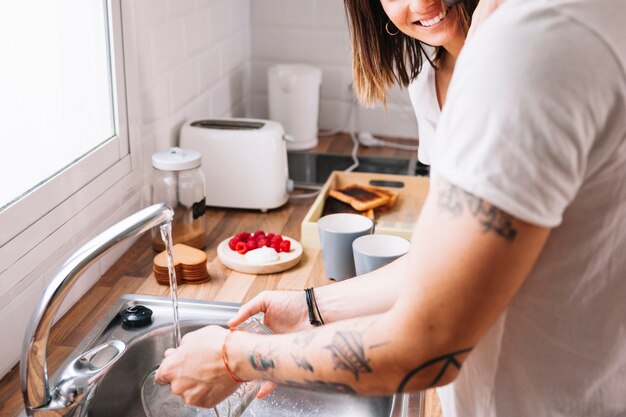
[(190, 265)]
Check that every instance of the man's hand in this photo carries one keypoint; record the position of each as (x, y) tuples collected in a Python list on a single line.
[(195, 370), (285, 311)]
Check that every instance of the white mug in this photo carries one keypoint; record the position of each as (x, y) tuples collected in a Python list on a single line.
[(373, 251), (337, 232)]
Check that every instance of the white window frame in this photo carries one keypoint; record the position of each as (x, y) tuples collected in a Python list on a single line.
[(33, 219)]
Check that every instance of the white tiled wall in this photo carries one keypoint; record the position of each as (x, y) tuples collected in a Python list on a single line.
[(315, 32), (193, 62)]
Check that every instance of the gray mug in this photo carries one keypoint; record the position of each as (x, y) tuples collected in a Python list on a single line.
[(337, 232), (373, 251)]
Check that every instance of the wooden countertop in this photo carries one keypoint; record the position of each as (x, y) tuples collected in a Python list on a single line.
[(133, 274)]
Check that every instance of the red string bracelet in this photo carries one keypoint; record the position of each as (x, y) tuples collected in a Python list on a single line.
[(224, 356)]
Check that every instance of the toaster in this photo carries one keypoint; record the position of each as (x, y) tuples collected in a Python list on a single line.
[(244, 161)]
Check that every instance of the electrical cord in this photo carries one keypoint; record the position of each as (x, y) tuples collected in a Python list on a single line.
[(342, 128), (296, 186), (305, 195), (354, 154), (331, 132), (350, 121), (366, 139)]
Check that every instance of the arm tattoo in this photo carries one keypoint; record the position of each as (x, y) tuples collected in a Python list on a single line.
[(261, 362), (448, 198), (348, 353), (443, 361), (322, 386), (491, 218), (379, 345), (302, 363)]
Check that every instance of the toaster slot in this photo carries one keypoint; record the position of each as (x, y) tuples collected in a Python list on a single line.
[(228, 124)]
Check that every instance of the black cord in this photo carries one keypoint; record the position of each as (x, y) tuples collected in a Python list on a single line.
[(310, 302)]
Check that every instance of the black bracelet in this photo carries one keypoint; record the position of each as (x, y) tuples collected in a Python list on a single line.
[(316, 307), (310, 302)]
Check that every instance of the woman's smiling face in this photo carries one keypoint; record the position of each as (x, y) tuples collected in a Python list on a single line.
[(428, 21)]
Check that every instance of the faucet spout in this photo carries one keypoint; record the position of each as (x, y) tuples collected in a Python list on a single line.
[(33, 367)]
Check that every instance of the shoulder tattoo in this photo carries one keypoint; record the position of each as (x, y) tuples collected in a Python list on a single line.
[(455, 201)]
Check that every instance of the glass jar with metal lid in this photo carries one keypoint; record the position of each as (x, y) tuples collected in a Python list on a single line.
[(178, 181)]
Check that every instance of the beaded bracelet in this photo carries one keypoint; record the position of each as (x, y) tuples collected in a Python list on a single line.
[(224, 356), (311, 303)]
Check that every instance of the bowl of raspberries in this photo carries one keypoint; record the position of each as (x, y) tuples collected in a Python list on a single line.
[(246, 241), (259, 252)]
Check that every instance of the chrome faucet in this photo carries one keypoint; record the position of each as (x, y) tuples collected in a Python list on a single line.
[(77, 380)]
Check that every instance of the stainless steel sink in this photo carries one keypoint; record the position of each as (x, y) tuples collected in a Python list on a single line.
[(315, 168), (118, 393)]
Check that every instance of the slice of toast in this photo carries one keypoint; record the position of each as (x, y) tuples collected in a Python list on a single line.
[(393, 195), (361, 198), (333, 206)]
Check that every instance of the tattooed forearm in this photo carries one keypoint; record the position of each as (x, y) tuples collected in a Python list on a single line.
[(322, 386), (491, 218), (261, 362), (348, 353), (303, 363), (442, 362)]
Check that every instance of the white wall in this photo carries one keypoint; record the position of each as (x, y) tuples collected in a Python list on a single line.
[(193, 62), (315, 32)]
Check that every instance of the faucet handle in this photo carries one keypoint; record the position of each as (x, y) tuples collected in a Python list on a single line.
[(82, 374)]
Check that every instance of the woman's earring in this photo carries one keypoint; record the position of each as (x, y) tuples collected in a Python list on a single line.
[(390, 32)]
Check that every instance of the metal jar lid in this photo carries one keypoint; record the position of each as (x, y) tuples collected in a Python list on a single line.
[(176, 159)]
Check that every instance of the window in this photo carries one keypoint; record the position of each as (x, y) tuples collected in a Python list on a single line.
[(63, 108)]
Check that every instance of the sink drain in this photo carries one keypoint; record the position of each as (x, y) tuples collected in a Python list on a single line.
[(137, 316)]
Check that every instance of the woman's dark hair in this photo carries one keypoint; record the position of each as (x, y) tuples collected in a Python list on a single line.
[(378, 59)]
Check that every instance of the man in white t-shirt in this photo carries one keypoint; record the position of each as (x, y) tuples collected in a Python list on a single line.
[(535, 123), (514, 290)]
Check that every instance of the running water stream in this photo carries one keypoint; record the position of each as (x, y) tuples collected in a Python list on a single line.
[(155, 401), (159, 401), (166, 235)]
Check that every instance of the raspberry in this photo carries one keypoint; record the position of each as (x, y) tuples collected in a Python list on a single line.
[(241, 247), (276, 239), (285, 246), (259, 234), (269, 236), (275, 246), (233, 242), (243, 236), (251, 244), (262, 242)]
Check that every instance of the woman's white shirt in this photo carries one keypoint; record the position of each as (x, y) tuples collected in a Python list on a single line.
[(423, 95)]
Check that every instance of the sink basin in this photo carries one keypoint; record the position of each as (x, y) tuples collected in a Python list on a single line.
[(119, 392), (315, 168)]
